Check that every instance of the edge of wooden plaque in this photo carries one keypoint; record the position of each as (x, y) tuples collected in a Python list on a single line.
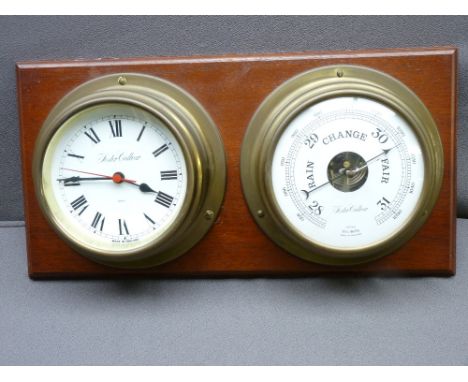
[(231, 87)]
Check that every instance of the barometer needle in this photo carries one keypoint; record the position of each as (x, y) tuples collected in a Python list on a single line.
[(323, 184), (350, 172), (355, 171)]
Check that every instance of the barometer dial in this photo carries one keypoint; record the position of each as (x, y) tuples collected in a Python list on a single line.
[(347, 172), (341, 165)]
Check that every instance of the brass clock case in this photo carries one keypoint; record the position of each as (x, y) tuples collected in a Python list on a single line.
[(289, 100), (201, 146)]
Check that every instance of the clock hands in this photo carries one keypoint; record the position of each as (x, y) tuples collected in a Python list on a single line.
[(75, 179), (345, 172), (145, 188), (117, 177)]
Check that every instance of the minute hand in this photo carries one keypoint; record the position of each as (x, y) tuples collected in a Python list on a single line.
[(73, 179)]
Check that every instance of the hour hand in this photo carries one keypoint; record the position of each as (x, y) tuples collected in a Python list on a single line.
[(78, 179), (145, 188)]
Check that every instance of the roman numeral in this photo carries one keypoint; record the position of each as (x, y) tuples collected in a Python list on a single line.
[(123, 227), (164, 199), (96, 220), (78, 203), (83, 210), (169, 175), (141, 133), (149, 219), (160, 150), (116, 128), (93, 137), (76, 156)]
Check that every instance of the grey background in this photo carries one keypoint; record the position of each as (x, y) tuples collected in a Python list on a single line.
[(311, 321), (252, 321)]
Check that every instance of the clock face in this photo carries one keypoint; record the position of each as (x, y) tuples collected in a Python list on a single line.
[(347, 173), (114, 177)]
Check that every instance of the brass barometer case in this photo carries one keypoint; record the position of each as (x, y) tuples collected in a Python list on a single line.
[(283, 106), (196, 135)]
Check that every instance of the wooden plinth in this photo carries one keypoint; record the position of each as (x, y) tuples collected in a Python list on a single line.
[(231, 88)]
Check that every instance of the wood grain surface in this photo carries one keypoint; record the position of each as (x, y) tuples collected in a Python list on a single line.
[(231, 87)]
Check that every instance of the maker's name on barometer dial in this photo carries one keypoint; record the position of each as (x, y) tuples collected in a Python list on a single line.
[(348, 169), (120, 168), (341, 165)]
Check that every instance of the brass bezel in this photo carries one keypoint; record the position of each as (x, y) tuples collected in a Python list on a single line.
[(199, 140), (283, 105)]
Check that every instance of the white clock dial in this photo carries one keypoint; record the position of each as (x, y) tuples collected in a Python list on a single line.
[(117, 177), (347, 172)]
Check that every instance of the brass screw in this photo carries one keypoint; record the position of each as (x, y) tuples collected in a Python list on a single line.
[(209, 214), (339, 73), (260, 213), (122, 80)]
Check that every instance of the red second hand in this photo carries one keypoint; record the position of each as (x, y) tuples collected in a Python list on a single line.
[(117, 178)]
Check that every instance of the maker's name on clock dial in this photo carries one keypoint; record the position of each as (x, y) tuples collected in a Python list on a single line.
[(121, 169), (119, 172)]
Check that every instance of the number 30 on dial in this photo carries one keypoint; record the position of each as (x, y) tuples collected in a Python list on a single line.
[(341, 165)]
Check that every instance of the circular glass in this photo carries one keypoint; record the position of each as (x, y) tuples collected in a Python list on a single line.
[(347, 172), (114, 177)]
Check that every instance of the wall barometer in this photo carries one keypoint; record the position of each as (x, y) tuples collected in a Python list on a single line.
[(341, 165), (129, 170)]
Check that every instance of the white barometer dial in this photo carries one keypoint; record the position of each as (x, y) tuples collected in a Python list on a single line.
[(346, 173), (117, 170)]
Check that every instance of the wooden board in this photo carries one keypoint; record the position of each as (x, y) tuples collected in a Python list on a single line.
[(231, 88)]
